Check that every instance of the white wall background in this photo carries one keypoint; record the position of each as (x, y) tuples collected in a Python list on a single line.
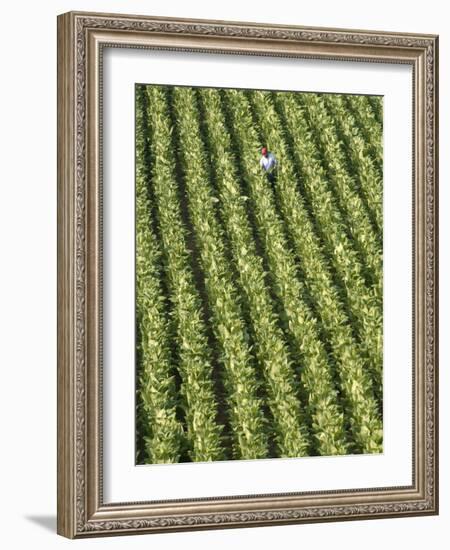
[(28, 272)]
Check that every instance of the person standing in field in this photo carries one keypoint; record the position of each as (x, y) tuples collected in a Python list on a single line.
[(268, 163)]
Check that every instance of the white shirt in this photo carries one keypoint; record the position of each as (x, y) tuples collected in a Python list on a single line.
[(269, 162)]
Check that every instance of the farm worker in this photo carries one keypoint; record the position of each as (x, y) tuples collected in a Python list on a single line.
[(268, 163)]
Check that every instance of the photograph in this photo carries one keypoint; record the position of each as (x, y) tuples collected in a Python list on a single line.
[(247, 274), (259, 274), (224, 283)]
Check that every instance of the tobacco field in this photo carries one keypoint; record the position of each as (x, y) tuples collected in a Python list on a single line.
[(258, 304)]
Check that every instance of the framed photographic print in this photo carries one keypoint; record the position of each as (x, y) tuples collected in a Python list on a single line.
[(247, 274)]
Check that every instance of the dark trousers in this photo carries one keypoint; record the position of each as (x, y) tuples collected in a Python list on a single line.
[(271, 178)]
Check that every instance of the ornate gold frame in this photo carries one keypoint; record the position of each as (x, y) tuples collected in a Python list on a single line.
[(81, 37)]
